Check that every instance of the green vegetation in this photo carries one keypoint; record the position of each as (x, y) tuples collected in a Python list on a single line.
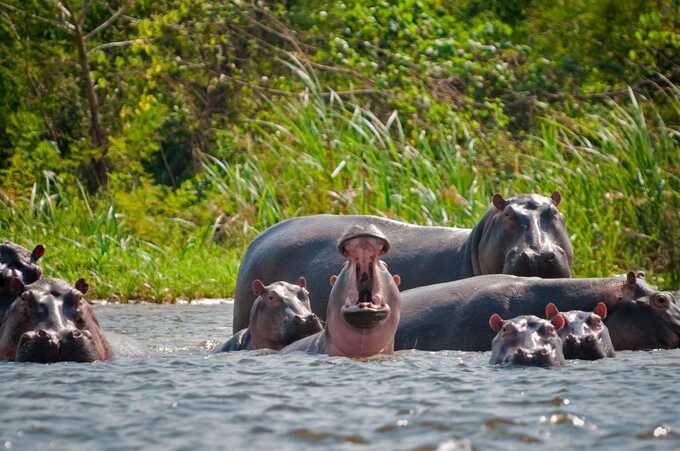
[(214, 120)]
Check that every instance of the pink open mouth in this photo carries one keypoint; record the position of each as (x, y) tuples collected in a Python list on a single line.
[(365, 306)]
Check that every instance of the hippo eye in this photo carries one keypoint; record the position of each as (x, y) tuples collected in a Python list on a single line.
[(546, 330), (302, 294), (661, 301), (594, 322)]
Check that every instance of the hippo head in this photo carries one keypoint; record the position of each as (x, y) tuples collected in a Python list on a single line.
[(50, 322), (584, 335), (526, 340), (364, 305), (524, 236), (281, 314), (18, 268), (649, 322)]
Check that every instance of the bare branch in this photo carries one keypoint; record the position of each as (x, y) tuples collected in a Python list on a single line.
[(59, 24), (84, 8), (65, 12), (118, 44), (109, 21)]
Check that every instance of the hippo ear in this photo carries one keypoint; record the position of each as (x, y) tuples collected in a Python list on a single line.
[(640, 275), (82, 286), (333, 279), (38, 252), (397, 279), (631, 278), (495, 322), (498, 202), (601, 309), (558, 321), (257, 286), (551, 311), (556, 198), (302, 282), (17, 284)]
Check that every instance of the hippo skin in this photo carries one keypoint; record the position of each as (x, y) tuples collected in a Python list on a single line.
[(454, 315), (584, 336), (280, 316), (527, 340), (51, 322), (524, 235), (364, 306), (18, 268)]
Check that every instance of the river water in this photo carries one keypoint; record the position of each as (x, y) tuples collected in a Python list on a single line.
[(165, 391)]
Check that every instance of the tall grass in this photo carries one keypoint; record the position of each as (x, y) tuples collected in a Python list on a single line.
[(618, 171)]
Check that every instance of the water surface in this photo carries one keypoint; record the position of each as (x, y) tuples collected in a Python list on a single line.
[(166, 391)]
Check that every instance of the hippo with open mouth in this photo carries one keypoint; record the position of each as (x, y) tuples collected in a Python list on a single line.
[(364, 305), (524, 235), (51, 322), (280, 316), (584, 336), (526, 340), (18, 268)]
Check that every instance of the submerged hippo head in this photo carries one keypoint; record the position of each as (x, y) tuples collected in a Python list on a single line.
[(524, 236), (50, 322), (281, 314), (18, 267), (584, 335), (526, 340), (364, 304), (649, 322)]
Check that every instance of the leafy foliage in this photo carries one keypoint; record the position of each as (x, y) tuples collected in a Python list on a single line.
[(221, 118)]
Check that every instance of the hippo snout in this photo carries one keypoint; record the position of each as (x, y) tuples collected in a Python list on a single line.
[(528, 261), (308, 323), (40, 346)]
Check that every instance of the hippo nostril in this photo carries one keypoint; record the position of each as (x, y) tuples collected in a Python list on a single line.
[(77, 334), (549, 257), (42, 333), (590, 340)]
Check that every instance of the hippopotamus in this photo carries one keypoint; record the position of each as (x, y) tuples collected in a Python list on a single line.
[(524, 235), (584, 336), (50, 322), (364, 305), (453, 315), (280, 315), (648, 322), (18, 268), (526, 340)]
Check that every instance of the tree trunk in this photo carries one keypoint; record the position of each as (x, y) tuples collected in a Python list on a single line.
[(96, 131)]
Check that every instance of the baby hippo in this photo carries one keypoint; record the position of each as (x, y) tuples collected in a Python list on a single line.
[(50, 322), (18, 268), (527, 340), (585, 335), (280, 315)]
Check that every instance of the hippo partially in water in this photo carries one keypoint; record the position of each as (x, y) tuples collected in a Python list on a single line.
[(453, 315), (280, 316), (18, 268), (50, 322), (649, 322), (524, 235), (526, 340), (584, 336), (364, 306)]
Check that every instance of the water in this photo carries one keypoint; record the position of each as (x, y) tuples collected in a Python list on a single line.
[(167, 392)]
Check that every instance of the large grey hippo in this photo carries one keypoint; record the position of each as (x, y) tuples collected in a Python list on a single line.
[(524, 235), (51, 322), (363, 309), (454, 315), (280, 316), (18, 268)]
